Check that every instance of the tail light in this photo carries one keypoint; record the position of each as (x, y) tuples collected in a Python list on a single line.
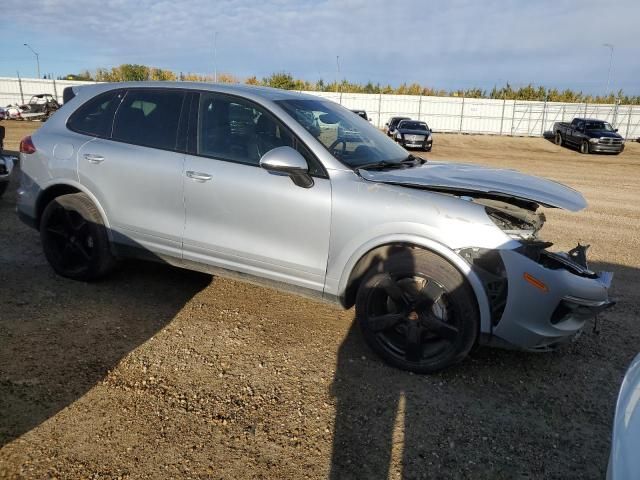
[(27, 146)]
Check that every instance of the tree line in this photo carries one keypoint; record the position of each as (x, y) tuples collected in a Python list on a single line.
[(284, 80)]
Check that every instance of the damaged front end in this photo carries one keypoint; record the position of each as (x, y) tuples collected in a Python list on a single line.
[(545, 298)]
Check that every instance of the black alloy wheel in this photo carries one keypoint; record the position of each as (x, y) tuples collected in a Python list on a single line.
[(419, 315), (74, 238)]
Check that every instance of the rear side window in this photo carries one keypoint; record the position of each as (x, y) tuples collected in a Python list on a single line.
[(95, 117), (149, 118)]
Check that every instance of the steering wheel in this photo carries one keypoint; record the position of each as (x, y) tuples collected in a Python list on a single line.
[(338, 152)]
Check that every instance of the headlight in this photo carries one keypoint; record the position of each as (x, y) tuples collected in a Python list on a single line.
[(594, 140), (398, 135), (429, 138)]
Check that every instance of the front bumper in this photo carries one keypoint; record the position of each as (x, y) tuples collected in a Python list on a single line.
[(548, 301), (425, 145), (604, 148)]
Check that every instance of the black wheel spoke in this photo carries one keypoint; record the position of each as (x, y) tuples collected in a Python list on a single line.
[(81, 226), (58, 231), (67, 218), (414, 346), (384, 322), (429, 294), (393, 290), (83, 251), (440, 328)]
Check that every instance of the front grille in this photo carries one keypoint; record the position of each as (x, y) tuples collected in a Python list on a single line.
[(610, 141), (414, 138)]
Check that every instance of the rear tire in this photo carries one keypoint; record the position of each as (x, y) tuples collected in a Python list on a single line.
[(417, 312), (559, 140), (75, 239)]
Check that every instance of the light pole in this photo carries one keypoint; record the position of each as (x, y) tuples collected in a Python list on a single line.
[(37, 57), (215, 57), (338, 76), (610, 47)]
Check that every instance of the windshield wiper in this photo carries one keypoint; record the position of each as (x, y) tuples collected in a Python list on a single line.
[(409, 161)]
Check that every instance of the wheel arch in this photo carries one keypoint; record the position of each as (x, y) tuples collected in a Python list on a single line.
[(66, 188), (369, 255)]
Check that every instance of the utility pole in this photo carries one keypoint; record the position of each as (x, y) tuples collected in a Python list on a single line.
[(37, 57), (215, 57), (338, 75), (610, 47)]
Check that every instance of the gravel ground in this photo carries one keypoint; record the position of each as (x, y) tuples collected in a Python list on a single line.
[(158, 372)]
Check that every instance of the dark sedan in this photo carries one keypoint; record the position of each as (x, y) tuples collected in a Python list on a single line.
[(414, 134)]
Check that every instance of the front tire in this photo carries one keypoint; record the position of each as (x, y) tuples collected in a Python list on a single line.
[(3, 187), (418, 312), (75, 239), (584, 148)]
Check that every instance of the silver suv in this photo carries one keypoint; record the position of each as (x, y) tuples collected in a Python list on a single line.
[(263, 185)]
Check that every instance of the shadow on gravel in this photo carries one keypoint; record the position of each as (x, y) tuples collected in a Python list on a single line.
[(59, 337), (498, 414)]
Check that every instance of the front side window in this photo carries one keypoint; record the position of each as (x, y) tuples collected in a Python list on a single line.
[(232, 129), (348, 138), (149, 118), (95, 117)]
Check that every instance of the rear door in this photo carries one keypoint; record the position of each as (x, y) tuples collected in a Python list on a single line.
[(242, 217), (136, 173)]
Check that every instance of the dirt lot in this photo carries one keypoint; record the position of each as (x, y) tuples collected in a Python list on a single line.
[(163, 373)]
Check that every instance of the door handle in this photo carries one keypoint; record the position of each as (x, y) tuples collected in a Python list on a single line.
[(92, 158), (199, 176)]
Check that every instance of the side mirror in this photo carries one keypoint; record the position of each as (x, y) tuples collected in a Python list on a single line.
[(288, 161), (615, 129)]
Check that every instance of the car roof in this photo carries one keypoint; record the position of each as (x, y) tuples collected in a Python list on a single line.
[(589, 119), (267, 93)]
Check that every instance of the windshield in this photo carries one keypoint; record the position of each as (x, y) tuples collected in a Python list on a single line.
[(598, 126), (412, 125), (347, 137)]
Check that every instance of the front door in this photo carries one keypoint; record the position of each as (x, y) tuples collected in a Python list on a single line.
[(242, 217)]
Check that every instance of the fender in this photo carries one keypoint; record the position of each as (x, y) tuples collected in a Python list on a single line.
[(78, 186), (457, 261)]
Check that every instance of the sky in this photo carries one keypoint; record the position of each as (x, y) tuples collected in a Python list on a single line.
[(441, 44)]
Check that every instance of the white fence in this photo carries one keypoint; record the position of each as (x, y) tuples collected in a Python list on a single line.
[(486, 116), (443, 114), (15, 90)]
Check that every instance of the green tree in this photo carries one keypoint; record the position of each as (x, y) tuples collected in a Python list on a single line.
[(280, 80)]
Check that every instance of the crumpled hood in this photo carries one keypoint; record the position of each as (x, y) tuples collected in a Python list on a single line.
[(460, 177)]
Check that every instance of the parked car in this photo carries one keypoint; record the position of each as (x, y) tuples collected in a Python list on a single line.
[(390, 126), (436, 257), (624, 462), (589, 135), (361, 113), (6, 165), (4, 115), (40, 107), (411, 133)]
